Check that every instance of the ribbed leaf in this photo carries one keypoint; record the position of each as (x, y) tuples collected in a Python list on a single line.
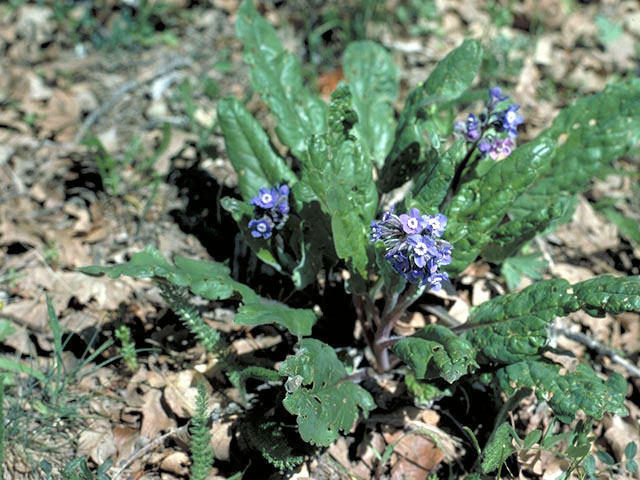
[(277, 77), (607, 294), (567, 392), (480, 205), (373, 79), (340, 175), (323, 403), (436, 352), (249, 150)]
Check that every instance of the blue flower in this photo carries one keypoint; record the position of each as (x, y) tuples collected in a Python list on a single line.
[(472, 132), (412, 223), (271, 210), (509, 121), (413, 245), (261, 227), (495, 97)]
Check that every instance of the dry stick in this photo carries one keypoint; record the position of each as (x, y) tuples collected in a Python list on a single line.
[(600, 348), (146, 448), (123, 90)]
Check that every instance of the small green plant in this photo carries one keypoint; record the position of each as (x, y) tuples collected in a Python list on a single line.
[(127, 347), (201, 451)]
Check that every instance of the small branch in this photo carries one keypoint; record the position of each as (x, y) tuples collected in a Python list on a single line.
[(600, 348), (148, 447)]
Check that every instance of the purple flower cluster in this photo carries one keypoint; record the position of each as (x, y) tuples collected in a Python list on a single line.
[(495, 130), (271, 210), (413, 245)]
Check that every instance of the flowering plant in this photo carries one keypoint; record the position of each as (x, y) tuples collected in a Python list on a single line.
[(468, 193)]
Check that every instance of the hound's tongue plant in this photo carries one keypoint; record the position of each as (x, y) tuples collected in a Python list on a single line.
[(470, 193)]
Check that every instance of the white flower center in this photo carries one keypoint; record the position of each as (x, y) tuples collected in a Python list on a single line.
[(261, 227), (266, 198), (412, 223), (420, 249), (511, 116)]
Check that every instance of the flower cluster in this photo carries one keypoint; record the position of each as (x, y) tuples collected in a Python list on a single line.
[(413, 245), (271, 210), (494, 131)]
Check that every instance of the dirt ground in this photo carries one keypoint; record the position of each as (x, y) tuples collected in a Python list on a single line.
[(109, 142)]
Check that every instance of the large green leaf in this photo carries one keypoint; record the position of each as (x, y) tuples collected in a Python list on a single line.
[(607, 294), (373, 79), (481, 204), (566, 392), (590, 135), (297, 320), (513, 327), (432, 184), (498, 449), (436, 352), (250, 151), (450, 79), (277, 77), (341, 177), (508, 238), (319, 395), (211, 280)]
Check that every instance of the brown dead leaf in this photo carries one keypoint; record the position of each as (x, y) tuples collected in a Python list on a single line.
[(154, 418), (619, 432), (124, 439), (415, 456), (181, 392), (176, 462), (97, 442), (588, 232), (60, 117)]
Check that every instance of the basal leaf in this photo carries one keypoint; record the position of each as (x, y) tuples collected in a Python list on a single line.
[(297, 320), (250, 151), (317, 394), (436, 352), (341, 177), (450, 79), (211, 280), (508, 238), (498, 449), (480, 205), (277, 77), (589, 135), (566, 392), (432, 184), (529, 265), (607, 294), (373, 78), (514, 326)]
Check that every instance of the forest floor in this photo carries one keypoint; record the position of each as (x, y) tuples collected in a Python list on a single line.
[(109, 142)]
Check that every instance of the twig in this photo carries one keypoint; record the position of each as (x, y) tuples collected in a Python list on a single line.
[(125, 88), (146, 448), (600, 348)]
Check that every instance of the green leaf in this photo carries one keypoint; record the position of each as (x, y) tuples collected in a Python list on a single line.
[(436, 352), (509, 237), (340, 175), (250, 151), (480, 205), (277, 77), (498, 449), (450, 79), (631, 466), (323, 402), (607, 294), (211, 280), (590, 135), (630, 450), (373, 78), (528, 265), (566, 392), (298, 321), (605, 458), (515, 325), (589, 465), (432, 184), (531, 439), (424, 393), (270, 439)]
